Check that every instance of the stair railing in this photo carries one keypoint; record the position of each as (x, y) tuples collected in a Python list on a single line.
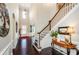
[(65, 8)]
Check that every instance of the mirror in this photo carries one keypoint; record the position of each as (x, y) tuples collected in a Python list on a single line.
[(4, 20)]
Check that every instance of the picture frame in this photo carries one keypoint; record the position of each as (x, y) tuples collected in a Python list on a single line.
[(4, 20), (63, 30), (16, 27)]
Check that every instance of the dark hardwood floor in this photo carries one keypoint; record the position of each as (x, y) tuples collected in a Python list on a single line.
[(24, 47)]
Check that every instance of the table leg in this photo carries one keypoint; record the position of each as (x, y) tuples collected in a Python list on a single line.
[(68, 51)]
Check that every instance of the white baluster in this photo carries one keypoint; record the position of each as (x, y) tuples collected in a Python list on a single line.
[(65, 10)]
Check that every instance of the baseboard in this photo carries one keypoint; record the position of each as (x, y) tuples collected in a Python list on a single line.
[(36, 48)]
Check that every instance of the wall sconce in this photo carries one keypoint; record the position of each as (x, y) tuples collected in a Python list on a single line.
[(71, 31)]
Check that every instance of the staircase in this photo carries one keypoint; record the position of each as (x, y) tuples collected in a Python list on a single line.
[(63, 11)]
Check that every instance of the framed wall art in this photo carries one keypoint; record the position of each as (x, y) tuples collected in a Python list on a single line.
[(63, 30), (4, 20)]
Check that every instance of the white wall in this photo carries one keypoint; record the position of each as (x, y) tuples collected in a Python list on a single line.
[(46, 41), (14, 8), (8, 40)]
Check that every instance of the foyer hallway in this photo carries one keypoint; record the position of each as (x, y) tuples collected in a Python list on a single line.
[(24, 47)]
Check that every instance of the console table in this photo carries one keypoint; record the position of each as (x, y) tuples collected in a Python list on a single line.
[(64, 44)]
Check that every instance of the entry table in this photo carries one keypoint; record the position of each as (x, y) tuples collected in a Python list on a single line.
[(64, 44)]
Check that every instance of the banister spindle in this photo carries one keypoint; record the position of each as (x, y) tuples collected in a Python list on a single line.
[(71, 5), (64, 9), (67, 8)]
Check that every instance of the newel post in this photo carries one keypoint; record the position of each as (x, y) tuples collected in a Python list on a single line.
[(39, 41), (50, 25)]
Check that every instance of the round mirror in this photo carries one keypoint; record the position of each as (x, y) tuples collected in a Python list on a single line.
[(4, 20)]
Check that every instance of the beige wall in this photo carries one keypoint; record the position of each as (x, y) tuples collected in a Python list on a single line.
[(40, 14)]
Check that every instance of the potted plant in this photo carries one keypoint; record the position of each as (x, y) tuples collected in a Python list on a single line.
[(54, 34)]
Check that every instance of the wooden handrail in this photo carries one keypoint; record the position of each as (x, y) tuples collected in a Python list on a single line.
[(51, 20), (57, 12), (43, 29)]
